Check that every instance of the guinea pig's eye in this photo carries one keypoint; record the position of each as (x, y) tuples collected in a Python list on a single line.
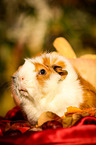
[(42, 72)]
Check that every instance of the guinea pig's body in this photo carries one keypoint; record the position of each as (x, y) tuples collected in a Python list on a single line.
[(49, 83)]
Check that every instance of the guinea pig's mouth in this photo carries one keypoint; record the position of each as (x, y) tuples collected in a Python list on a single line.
[(23, 92)]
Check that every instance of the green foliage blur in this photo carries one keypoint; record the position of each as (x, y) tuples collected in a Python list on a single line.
[(30, 26)]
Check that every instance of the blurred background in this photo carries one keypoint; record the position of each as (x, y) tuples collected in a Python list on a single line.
[(30, 26)]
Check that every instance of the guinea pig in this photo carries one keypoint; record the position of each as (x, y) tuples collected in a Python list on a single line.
[(50, 83)]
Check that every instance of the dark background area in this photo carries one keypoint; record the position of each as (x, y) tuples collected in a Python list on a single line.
[(28, 27)]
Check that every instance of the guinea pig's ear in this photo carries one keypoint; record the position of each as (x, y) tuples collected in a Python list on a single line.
[(60, 71)]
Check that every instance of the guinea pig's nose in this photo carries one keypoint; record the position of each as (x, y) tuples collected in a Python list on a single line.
[(13, 78)]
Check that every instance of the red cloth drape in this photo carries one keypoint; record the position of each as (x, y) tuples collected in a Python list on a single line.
[(82, 134)]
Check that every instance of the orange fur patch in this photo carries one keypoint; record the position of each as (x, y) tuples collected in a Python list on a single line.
[(89, 94), (61, 63), (41, 78), (54, 61), (47, 66), (46, 61)]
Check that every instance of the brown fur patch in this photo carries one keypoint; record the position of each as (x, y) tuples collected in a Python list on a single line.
[(54, 61), (48, 67), (89, 94), (41, 78), (46, 61), (61, 63)]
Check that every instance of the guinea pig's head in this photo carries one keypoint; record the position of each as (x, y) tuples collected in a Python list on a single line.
[(42, 76)]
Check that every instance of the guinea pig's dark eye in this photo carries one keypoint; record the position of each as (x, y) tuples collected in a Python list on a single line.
[(42, 72)]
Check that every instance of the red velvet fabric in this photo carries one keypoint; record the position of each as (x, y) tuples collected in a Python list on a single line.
[(82, 134)]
